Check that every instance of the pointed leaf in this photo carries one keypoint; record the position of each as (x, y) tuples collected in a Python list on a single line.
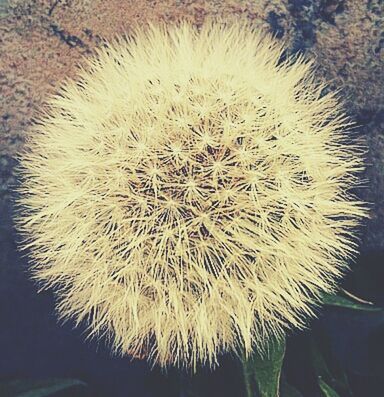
[(318, 361), (36, 388), (333, 374), (327, 390), (341, 301), (289, 391), (262, 371)]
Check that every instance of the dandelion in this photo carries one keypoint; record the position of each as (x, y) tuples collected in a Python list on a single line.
[(189, 193)]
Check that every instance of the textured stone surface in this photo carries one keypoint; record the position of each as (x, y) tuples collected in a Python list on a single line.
[(41, 42)]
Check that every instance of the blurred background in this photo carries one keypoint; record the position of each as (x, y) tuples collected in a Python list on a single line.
[(41, 42)]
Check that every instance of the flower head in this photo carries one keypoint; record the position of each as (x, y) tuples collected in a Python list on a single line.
[(189, 193)]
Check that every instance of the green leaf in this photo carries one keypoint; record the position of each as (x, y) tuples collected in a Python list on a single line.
[(341, 301), (289, 391), (333, 373), (319, 364), (262, 371), (36, 388), (327, 390)]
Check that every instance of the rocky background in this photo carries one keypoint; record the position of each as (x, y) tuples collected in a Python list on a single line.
[(42, 41)]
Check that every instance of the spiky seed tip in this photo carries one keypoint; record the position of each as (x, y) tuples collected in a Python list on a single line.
[(189, 193)]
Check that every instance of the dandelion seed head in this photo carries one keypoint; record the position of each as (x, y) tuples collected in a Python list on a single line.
[(189, 193)]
